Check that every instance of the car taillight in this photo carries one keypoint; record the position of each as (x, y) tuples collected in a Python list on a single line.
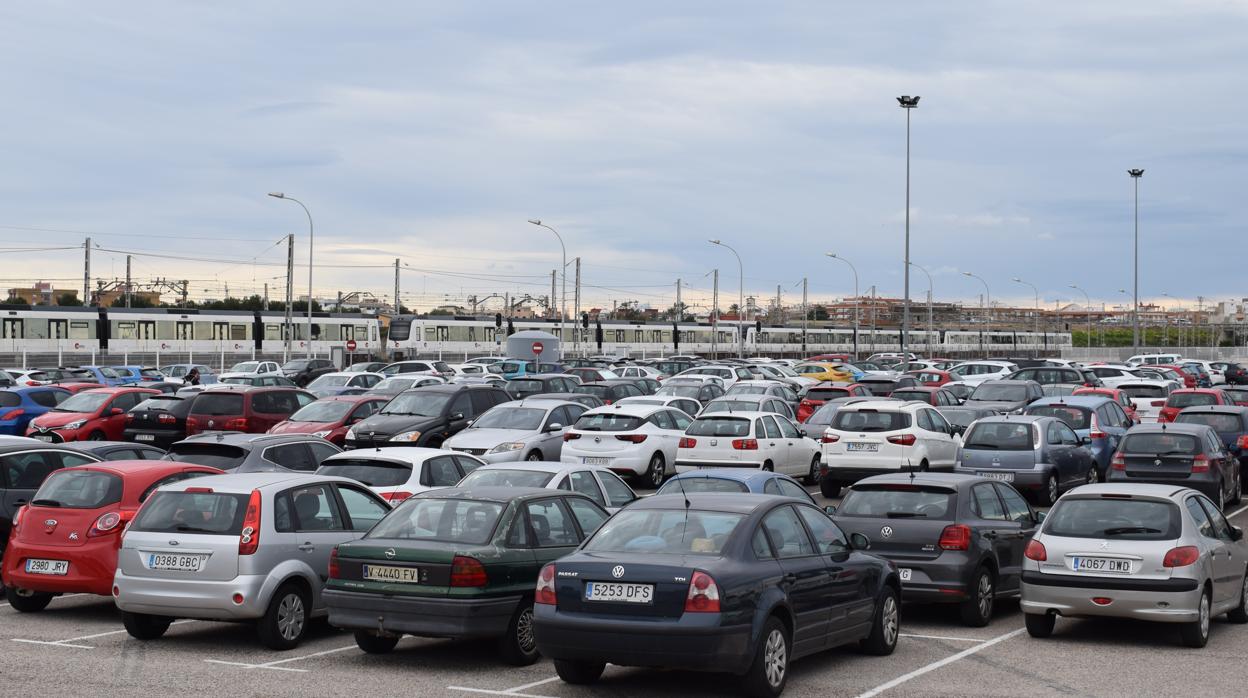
[(129, 418), (1035, 551), (955, 537), (107, 523), (829, 438), (467, 572), (570, 436), (17, 520), (631, 438), (703, 594), (1200, 464), (1181, 556), (546, 587), (236, 424), (249, 537), (1158, 403), (333, 563), (13, 414), (1119, 462), (686, 442), (192, 425), (166, 418), (1095, 430), (395, 497), (1242, 441), (745, 444), (902, 439)]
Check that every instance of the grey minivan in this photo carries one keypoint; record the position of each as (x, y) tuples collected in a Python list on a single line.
[(251, 547), (1040, 455)]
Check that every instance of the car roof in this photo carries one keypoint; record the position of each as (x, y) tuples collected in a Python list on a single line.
[(412, 455), (544, 466), (1131, 488), (877, 404), (747, 414), (238, 438), (1089, 401), (1028, 418), (744, 397), (627, 409), (732, 502), (1164, 427), (745, 475), (494, 494), (242, 483), (137, 467), (922, 478), (547, 403), (1216, 409)]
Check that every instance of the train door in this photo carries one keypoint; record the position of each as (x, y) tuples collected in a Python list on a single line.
[(220, 331), (13, 328), (58, 329)]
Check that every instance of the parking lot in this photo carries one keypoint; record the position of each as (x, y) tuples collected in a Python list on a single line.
[(81, 636)]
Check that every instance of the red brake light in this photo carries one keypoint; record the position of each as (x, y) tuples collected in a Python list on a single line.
[(1119, 462), (192, 425), (1181, 556), (703, 594), (467, 572), (546, 586), (107, 523), (955, 537), (1243, 441), (902, 439), (829, 438), (249, 537), (166, 418), (570, 436), (1200, 464), (333, 563), (1102, 600), (631, 438), (686, 442), (17, 520), (198, 490), (1159, 403), (395, 497), (745, 444), (1035, 551), (13, 414), (236, 424)]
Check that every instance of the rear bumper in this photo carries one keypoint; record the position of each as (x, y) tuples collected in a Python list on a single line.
[(943, 579), (162, 439), (1163, 600), (425, 617), (1023, 479), (685, 465), (191, 598), (626, 464), (91, 568)]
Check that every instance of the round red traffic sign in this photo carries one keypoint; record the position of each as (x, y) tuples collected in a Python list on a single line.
[(350, 345), (537, 347)]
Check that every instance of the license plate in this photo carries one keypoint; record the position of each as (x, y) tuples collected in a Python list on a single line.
[(144, 437), (904, 573), (384, 573), (1100, 564), (615, 591), (1003, 477), (42, 437), (588, 460), (869, 448), (59, 567), (179, 562)]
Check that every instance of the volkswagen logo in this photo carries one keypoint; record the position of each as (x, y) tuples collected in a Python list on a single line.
[(714, 442), (1157, 462), (887, 531), (211, 424), (617, 571), (390, 553)]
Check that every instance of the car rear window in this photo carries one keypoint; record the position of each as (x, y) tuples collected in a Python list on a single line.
[(1191, 399), (1161, 443), (213, 513), (899, 502), (719, 426), (1000, 436), (912, 395), (657, 531), (525, 386), (1000, 393), (959, 417), (451, 520), (1075, 417), (870, 420), (1113, 517), (826, 393), (733, 406), (218, 404), (79, 489), (1220, 421), (162, 403), (1143, 390), (881, 388), (222, 456), (506, 477), (608, 422), (702, 484), (373, 473), (9, 399)]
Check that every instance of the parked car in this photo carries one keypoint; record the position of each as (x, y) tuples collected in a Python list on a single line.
[(160, 420), (162, 387), (1148, 397), (398, 384), (397, 473), (330, 417), (530, 429), (344, 383), (735, 480), (976, 372), (816, 395), (425, 416), (1147, 552), (592, 374), (119, 450), (366, 367), (936, 397), (132, 375), (687, 405), (252, 368), (1008, 396), (1238, 394), (1063, 389), (304, 371), (24, 465), (1115, 394), (178, 372), (259, 550), (1179, 455), (610, 390), (589, 401), (727, 374), (20, 405), (1039, 455), (1111, 376), (254, 453), (874, 437), (1100, 420), (932, 377), (748, 403), (1183, 398), (755, 440), (701, 392), (257, 380), (104, 375), (884, 387), (1233, 372), (73, 525), (244, 408), (960, 389), (714, 566), (639, 442), (1049, 375), (961, 417), (96, 415), (539, 383), (1178, 372), (594, 481), (817, 423)]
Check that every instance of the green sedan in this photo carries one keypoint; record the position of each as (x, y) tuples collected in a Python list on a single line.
[(456, 563)]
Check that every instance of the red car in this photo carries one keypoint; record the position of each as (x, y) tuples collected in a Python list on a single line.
[(66, 540), (1191, 397), (931, 377), (91, 415), (933, 396), (819, 393), (331, 417), (841, 358), (1189, 380), (1123, 400), (245, 408), (79, 387)]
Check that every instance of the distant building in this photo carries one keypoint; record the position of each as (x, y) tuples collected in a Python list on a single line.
[(107, 298), (42, 293)]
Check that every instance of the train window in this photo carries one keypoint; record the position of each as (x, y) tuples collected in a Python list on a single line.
[(80, 329), (238, 332), (13, 328), (126, 330), (59, 329), (400, 329), (202, 329), (273, 332), (659, 336), (316, 330), (444, 333), (619, 336), (184, 330), (639, 336), (220, 330), (431, 334), (372, 332)]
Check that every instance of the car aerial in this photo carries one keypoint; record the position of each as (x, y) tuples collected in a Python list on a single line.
[(1160, 553), (459, 563), (976, 372), (20, 405), (748, 403), (594, 481), (756, 440), (610, 390), (1005, 396), (118, 450), (936, 397), (531, 429), (954, 538), (1183, 398), (244, 408), (256, 380), (816, 395), (330, 417), (73, 528), (425, 416), (538, 383), (881, 436), (24, 464), (836, 373), (1229, 421), (178, 372), (689, 406), (1118, 396), (253, 453), (881, 386), (726, 373), (97, 414), (402, 471), (160, 420), (251, 368), (714, 567), (398, 384), (735, 480), (253, 547), (1101, 420), (1183, 455), (366, 367), (343, 383), (962, 416), (1037, 454), (932, 377), (639, 442), (1148, 397), (702, 393)]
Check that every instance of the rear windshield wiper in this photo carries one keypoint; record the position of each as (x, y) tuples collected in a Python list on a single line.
[(183, 528), (1121, 530), (905, 515), (980, 445), (45, 503)]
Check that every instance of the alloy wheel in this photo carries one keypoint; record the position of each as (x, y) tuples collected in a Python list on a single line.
[(657, 470), (984, 595), (1052, 488), (775, 657), (290, 616), (1204, 615), (889, 619), (524, 631)]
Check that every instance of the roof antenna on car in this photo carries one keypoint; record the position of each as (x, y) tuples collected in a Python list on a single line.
[(372, 440), (910, 467), (685, 528)]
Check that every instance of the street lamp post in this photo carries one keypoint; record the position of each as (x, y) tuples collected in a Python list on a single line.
[(563, 273), (988, 306), (908, 104), (1036, 291), (1135, 296), (930, 327), (740, 299), (852, 268), (1126, 293), (1087, 306), (280, 195)]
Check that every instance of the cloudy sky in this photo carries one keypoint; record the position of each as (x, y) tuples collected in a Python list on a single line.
[(431, 132)]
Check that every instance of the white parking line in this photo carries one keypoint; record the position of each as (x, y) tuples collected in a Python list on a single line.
[(69, 642), (62, 596), (1237, 511), (274, 664), (943, 637), (513, 691), (936, 665)]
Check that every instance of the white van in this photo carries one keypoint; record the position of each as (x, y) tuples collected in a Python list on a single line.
[(1154, 359)]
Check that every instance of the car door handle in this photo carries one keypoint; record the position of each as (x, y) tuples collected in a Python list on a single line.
[(307, 547)]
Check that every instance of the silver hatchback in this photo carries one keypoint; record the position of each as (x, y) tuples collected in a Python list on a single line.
[(249, 547), (1149, 552)]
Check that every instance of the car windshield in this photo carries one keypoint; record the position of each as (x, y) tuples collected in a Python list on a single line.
[(322, 411), (899, 502), (701, 484), (223, 456), (217, 404), (1000, 436), (176, 371), (748, 389), (295, 366), (1220, 421), (826, 393), (209, 513), (869, 420), (719, 426), (83, 402), (999, 393), (689, 391), (506, 477), (245, 367), (451, 520), (608, 421), (417, 404), (1161, 443), (79, 489), (732, 406), (879, 387), (328, 382), (1117, 517), (373, 473), (162, 403), (1153, 391), (659, 531), (1175, 400), (1076, 418), (393, 385), (521, 418)]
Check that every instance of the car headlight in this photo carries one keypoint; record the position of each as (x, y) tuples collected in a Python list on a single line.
[(351, 434), (408, 436), (322, 434), (508, 447), (73, 425)]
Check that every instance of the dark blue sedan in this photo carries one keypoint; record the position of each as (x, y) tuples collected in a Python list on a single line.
[(20, 405), (736, 480), (737, 583)]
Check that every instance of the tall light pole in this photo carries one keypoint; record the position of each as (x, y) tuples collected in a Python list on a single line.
[(1087, 305), (908, 104), (834, 255), (563, 272), (740, 299), (1135, 296), (280, 195), (1036, 291), (988, 305), (930, 328)]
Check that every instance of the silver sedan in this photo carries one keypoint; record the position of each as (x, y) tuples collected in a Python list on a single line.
[(531, 429)]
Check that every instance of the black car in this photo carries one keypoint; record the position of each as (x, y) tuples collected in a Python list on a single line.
[(159, 420), (539, 383), (960, 390), (165, 387), (304, 371), (1229, 421), (702, 392), (590, 401), (1235, 374), (236, 452), (738, 583), (883, 387), (1005, 396), (610, 390), (1183, 455), (1047, 375), (955, 538), (23, 467), (118, 450), (961, 417), (425, 416)]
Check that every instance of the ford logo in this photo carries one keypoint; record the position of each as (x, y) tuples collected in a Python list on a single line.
[(50, 522), (617, 571)]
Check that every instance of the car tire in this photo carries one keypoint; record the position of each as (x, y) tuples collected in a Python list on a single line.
[(812, 478), (25, 600), (142, 626), (96, 435), (768, 467), (1196, 633), (770, 669), (1094, 475), (1049, 492), (885, 625), (655, 472), (534, 456), (518, 646), (579, 673), (829, 489), (1040, 624), (976, 610), (1237, 495), (373, 643), (1239, 614), (285, 623)]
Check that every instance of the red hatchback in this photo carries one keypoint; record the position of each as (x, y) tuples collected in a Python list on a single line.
[(66, 540), (931, 377), (253, 410), (819, 393), (1123, 400), (1191, 397), (331, 417), (91, 415)]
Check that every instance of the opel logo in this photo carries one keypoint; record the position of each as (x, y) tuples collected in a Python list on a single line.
[(887, 531), (211, 424), (173, 542), (597, 439), (714, 442), (617, 571), (390, 553)]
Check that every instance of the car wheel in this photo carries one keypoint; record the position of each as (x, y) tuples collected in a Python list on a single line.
[(1040, 624), (976, 610), (1094, 475), (829, 489), (373, 643), (142, 626), (518, 646), (27, 601), (656, 471), (1237, 495), (770, 669), (579, 673), (812, 478), (286, 621), (534, 456), (1239, 614), (1048, 494), (96, 435), (768, 467), (885, 627), (1196, 633)]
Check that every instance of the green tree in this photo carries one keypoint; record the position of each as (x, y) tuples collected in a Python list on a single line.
[(68, 299), (15, 300)]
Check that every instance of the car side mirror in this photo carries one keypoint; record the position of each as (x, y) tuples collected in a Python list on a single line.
[(1040, 517), (456, 416), (1085, 440), (554, 426), (1237, 533), (829, 510), (857, 541), (116, 411)]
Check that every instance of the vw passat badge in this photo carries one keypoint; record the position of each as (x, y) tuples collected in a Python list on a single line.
[(617, 571)]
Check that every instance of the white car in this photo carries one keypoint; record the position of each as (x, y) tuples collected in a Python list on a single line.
[(485, 360), (26, 377), (1152, 359), (727, 374), (399, 472), (756, 440), (637, 441), (594, 481), (1063, 363), (1148, 397), (639, 372), (1113, 376), (252, 368), (874, 437), (976, 372), (786, 374), (530, 429), (468, 369), (343, 383), (687, 405)]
